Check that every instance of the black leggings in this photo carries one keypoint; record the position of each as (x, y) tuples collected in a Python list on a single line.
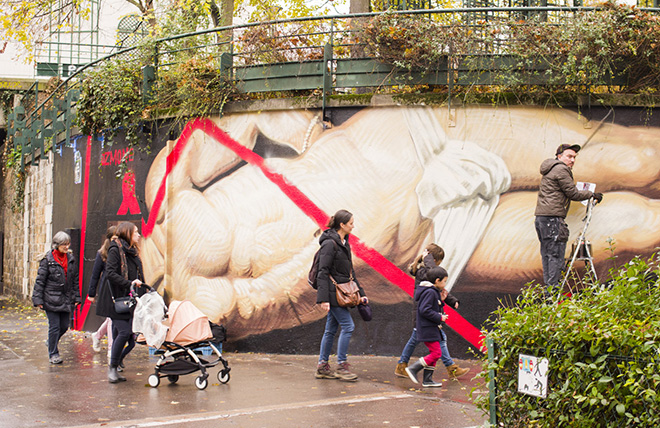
[(123, 342)]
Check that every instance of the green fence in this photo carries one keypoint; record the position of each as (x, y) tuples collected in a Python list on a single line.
[(323, 54)]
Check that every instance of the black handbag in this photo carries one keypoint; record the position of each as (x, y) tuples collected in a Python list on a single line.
[(123, 305)]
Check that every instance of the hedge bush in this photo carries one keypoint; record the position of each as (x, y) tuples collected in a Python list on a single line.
[(603, 346)]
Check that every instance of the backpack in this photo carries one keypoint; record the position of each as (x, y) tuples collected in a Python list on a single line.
[(314, 270)]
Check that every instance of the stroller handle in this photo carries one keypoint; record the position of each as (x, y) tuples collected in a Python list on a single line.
[(133, 290)]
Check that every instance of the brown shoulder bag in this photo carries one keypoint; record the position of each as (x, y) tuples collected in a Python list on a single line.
[(348, 293)]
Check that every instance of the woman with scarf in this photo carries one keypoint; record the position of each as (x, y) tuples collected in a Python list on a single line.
[(56, 291)]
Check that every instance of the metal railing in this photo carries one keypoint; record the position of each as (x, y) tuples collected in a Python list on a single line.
[(310, 53)]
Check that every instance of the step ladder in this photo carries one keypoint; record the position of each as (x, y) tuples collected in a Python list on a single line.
[(582, 247)]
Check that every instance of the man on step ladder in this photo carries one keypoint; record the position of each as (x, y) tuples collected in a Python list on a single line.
[(556, 192)]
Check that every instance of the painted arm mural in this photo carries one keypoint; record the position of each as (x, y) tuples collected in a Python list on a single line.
[(223, 234)]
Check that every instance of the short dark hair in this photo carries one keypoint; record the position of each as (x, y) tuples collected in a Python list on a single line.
[(436, 273), (437, 251)]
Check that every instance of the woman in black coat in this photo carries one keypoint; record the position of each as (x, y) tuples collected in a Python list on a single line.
[(56, 291), (98, 284), (123, 269), (335, 262)]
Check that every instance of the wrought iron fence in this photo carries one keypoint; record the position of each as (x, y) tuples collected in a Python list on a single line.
[(312, 53)]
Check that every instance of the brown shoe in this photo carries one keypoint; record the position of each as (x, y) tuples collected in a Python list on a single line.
[(455, 371), (323, 371), (344, 373), (400, 370)]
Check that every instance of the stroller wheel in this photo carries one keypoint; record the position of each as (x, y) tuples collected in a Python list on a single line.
[(201, 382), (154, 381), (223, 377), (173, 378)]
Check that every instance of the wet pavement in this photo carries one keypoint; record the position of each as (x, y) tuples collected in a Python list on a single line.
[(265, 390)]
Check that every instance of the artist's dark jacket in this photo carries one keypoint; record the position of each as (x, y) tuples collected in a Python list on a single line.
[(557, 190), (334, 260), (54, 289)]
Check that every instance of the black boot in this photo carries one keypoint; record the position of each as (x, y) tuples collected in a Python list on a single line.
[(113, 376), (414, 368), (428, 381)]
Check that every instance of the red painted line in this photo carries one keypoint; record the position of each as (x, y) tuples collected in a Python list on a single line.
[(81, 315), (170, 162), (370, 256)]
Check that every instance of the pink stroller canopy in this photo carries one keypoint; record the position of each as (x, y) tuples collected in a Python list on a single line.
[(188, 324)]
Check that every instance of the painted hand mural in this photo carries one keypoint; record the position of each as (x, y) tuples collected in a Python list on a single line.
[(232, 242), (224, 235)]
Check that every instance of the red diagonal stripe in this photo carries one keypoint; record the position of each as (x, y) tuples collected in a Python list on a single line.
[(370, 256)]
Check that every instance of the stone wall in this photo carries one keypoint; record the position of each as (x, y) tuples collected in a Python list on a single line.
[(27, 233)]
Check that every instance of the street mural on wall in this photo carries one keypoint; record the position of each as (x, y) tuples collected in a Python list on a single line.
[(228, 237), (231, 207)]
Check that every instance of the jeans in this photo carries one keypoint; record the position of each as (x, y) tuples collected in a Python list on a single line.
[(409, 348), (445, 357), (124, 341), (412, 344), (337, 317), (553, 250), (58, 324)]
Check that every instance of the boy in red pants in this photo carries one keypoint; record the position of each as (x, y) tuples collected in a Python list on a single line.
[(429, 317)]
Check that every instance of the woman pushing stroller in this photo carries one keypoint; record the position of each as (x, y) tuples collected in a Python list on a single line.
[(123, 269)]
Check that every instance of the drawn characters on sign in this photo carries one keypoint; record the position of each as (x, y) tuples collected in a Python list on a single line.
[(533, 375)]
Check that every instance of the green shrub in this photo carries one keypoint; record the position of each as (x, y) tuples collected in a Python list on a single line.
[(111, 98), (603, 347)]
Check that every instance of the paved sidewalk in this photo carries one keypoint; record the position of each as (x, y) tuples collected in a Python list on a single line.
[(265, 390)]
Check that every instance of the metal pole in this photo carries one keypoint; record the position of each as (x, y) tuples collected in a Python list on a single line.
[(327, 78), (492, 392)]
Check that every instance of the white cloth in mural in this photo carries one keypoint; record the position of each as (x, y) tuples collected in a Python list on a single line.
[(459, 190), (148, 318)]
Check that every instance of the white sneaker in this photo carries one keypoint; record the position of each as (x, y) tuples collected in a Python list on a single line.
[(96, 343)]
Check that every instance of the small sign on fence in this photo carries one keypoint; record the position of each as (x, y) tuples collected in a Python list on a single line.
[(533, 375)]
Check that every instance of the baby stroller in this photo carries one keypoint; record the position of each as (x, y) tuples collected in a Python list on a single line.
[(188, 329)]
